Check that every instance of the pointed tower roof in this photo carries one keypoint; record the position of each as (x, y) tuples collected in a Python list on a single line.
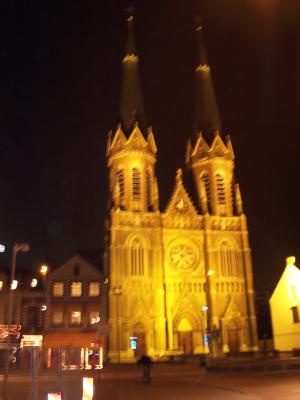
[(131, 107), (207, 119)]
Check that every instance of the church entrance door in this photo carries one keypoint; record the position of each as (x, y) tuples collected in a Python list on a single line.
[(141, 344), (233, 340), (185, 340), (185, 336)]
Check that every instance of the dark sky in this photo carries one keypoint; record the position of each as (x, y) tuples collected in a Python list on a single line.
[(60, 80)]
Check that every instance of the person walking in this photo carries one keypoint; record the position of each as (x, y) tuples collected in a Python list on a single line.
[(146, 362)]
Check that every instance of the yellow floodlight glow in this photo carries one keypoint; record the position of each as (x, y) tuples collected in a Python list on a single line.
[(293, 281), (290, 260), (87, 388)]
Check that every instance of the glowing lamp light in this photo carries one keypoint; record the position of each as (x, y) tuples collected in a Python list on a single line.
[(95, 320), (204, 308), (2, 248), (14, 284), (43, 307), (210, 272), (44, 269), (34, 283), (87, 388)]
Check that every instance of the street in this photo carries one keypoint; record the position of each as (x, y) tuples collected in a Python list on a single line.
[(169, 382)]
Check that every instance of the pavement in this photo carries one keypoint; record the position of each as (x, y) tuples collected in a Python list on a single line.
[(168, 382)]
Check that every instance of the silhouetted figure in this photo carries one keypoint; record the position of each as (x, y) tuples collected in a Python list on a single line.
[(146, 362)]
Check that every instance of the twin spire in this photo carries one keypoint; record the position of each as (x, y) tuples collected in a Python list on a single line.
[(207, 119), (132, 104)]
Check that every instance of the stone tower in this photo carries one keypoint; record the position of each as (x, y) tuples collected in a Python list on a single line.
[(231, 316), (136, 296), (180, 281)]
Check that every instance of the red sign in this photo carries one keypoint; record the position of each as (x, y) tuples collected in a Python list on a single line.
[(54, 396), (6, 330)]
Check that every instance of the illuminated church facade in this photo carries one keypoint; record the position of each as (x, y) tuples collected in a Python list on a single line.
[(179, 280)]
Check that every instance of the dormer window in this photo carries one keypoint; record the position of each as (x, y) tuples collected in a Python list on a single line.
[(76, 270)]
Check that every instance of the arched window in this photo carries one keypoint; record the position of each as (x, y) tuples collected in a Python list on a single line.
[(227, 259), (136, 185), (149, 186), (220, 185), (137, 258), (121, 182), (205, 180)]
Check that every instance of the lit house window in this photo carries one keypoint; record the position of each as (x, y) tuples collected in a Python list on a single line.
[(94, 289), (57, 318), (58, 289), (75, 318), (94, 317), (76, 289), (295, 313)]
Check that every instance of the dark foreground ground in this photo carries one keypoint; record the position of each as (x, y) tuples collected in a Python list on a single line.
[(169, 382)]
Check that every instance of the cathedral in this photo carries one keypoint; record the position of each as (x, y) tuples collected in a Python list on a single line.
[(180, 279)]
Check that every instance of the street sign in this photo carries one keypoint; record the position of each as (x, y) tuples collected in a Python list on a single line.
[(31, 341)]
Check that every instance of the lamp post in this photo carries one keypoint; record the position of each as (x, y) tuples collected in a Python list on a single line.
[(17, 247), (117, 291), (204, 310)]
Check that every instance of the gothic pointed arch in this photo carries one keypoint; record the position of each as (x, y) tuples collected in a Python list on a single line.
[(220, 188), (204, 178), (138, 247), (227, 255)]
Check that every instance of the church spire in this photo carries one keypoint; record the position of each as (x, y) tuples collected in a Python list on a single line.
[(207, 119), (131, 107)]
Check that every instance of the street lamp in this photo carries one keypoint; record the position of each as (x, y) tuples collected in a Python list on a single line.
[(117, 291), (17, 247), (44, 270)]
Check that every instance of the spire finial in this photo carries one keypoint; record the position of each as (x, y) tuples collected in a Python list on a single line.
[(179, 175), (132, 108), (207, 117), (130, 11)]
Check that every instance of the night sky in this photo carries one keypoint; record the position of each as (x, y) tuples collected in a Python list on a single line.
[(60, 85)]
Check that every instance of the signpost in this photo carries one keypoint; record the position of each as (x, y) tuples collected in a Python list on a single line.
[(34, 342)]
